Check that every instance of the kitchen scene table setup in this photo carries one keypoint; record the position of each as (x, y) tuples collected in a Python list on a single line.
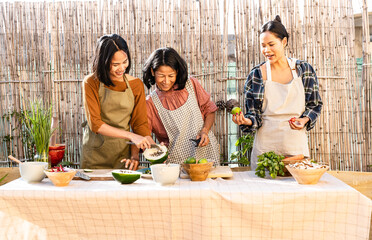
[(240, 206)]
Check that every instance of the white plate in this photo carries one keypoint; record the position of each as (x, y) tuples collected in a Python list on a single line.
[(146, 175)]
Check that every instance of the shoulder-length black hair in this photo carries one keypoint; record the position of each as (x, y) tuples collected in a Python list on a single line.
[(276, 27), (165, 57), (107, 46)]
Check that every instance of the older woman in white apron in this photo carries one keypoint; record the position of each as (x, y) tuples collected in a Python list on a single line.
[(282, 98), (179, 109)]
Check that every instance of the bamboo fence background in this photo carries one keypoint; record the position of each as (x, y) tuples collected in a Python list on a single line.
[(47, 48)]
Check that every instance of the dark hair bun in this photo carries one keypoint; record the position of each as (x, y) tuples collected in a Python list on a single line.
[(277, 19)]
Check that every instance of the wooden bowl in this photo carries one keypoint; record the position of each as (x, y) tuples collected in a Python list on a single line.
[(307, 176), (198, 171), (286, 162), (60, 179)]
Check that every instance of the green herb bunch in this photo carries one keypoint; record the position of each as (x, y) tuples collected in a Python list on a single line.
[(246, 143), (272, 162), (38, 124)]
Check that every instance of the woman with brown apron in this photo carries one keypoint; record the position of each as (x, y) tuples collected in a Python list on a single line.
[(179, 109), (282, 98), (114, 103)]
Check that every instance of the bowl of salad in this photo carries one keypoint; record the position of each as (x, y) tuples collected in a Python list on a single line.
[(60, 176)]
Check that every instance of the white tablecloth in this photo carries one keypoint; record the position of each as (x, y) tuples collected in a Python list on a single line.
[(245, 207)]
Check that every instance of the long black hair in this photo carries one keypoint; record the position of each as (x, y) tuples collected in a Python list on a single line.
[(165, 57), (107, 46), (276, 27)]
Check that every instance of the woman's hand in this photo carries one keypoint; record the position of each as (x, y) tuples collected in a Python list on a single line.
[(142, 142), (298, 123), (131, 164), (203, 135), (241, 120)]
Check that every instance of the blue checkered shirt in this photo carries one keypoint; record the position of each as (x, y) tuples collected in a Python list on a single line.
[(254, 94)]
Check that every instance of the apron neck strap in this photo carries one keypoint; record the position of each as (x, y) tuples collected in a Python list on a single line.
[(268, 71), (292, 66)]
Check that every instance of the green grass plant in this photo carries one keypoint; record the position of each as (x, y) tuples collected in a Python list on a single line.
[(38, 124)]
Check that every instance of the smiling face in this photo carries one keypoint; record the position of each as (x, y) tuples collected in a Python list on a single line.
[(165, 77), (119, 64), (272, 47)]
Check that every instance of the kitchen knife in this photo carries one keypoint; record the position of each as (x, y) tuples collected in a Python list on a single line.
[(152, 145), (82, 175)]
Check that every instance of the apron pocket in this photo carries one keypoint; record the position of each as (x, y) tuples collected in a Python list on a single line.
[(95, 141)]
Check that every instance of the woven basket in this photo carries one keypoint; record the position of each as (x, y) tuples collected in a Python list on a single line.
[(198, 172)]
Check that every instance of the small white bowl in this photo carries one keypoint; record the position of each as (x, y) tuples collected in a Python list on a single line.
[(33, 171), (165, 174)]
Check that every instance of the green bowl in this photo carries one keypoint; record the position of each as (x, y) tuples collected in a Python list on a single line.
[(126, 176)]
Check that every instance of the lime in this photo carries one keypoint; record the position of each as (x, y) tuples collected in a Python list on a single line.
[(236, 110), (190, 160), (203, 160)]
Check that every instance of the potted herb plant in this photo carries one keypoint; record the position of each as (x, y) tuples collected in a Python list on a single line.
[(245, 144), (38, 124)]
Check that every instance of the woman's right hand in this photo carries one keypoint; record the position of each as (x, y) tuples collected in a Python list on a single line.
[(142, 142), (241, 120)]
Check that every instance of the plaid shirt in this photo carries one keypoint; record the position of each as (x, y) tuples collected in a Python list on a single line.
[(254, 94)]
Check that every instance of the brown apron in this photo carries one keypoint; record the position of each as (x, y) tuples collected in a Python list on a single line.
[(101, 151)]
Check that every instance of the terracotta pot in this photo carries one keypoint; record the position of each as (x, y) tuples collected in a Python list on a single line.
[(56, 153)]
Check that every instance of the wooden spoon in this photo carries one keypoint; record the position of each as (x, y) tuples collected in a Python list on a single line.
[(14, 159)]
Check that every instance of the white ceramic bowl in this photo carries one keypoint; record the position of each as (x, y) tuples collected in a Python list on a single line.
[(33, 171), (165, 174)]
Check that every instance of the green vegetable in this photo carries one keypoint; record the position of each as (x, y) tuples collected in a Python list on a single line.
[(272, 162), (38, 124), (245, 144)]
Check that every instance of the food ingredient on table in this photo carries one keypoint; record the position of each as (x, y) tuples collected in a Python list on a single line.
[(126, 176), (156, 155), (307, 164), (203, 160), (190, 160), (272, 162), (59, 168)]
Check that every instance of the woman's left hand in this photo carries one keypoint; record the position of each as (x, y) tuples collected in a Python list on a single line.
[(204, 138), (131, 164), (298, 123)]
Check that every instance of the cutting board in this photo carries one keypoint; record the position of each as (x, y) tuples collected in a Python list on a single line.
[(98, 175), (221, 171)]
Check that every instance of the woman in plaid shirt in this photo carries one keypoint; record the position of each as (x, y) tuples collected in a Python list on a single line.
[(282, 98)]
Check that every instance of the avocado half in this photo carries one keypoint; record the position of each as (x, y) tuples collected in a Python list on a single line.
[(155, 155), (126, 176)]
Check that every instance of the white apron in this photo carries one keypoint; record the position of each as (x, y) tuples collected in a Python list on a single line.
[(183, 124), (281, 103)]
